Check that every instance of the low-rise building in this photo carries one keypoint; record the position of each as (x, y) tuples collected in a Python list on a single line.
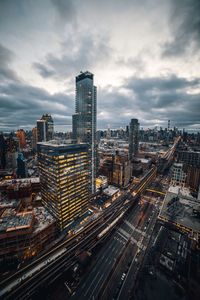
[(24, 234), (180, 210)]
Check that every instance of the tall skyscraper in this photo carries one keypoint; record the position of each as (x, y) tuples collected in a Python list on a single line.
[(64, 177), (84, 119), (45, 128), (133, 138)]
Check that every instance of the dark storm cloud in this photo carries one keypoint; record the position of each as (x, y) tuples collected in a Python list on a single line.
[(167, 97), (185, 27), (22, 104), (25, 104), (6, 57), (151, 99), (85, 51), (167, 83)]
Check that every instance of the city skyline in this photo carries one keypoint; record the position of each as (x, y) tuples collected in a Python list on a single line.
[(144, 57)]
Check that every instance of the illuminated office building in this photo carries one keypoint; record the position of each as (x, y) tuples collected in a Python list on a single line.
[(64, 176), (84, 120)]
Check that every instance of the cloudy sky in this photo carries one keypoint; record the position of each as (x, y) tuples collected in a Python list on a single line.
[(144, 55)]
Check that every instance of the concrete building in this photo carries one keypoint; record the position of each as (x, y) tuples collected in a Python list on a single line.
[(12, 150), (189, 158), (34, 138), (41, 130), (180, 209), (84, 120), (178, 176), (22, 138), (64, 177), (45, 128), (117, 168), (23, 235)]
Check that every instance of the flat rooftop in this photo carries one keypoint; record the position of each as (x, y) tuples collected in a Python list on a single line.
[(14, 222), (5, 202), (43, 218), (111, 190), (178, 207), (39, 218), (19, 181)]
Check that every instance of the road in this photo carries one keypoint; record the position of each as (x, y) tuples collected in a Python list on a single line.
[(130, 231), (138, 258)]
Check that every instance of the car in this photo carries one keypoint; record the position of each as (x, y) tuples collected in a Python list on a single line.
[(123, 276)]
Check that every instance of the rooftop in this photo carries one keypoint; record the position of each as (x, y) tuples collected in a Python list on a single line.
[(43, 218), (111, 190), (19, 181), (11, 221), (60, 145), (178, 208)]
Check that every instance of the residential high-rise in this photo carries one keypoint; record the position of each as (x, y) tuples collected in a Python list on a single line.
[(64, 177), (84, 120), (133, 138), (41, 130), (178, 176), (12, 143), (34, 138), (22, 138), (49, 126), (45, 128)]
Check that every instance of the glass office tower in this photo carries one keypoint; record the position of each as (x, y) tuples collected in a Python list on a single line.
[(84, 120), (64, 176)]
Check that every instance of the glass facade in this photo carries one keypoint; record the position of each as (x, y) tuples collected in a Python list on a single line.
[(84, 120), (64, 175)]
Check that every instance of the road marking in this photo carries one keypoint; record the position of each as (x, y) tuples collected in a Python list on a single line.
[(91, 284), (129, 224), (96, 287), (124, 232), (126, 239)]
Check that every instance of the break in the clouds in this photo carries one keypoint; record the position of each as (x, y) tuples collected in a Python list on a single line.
[(144, 55)]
